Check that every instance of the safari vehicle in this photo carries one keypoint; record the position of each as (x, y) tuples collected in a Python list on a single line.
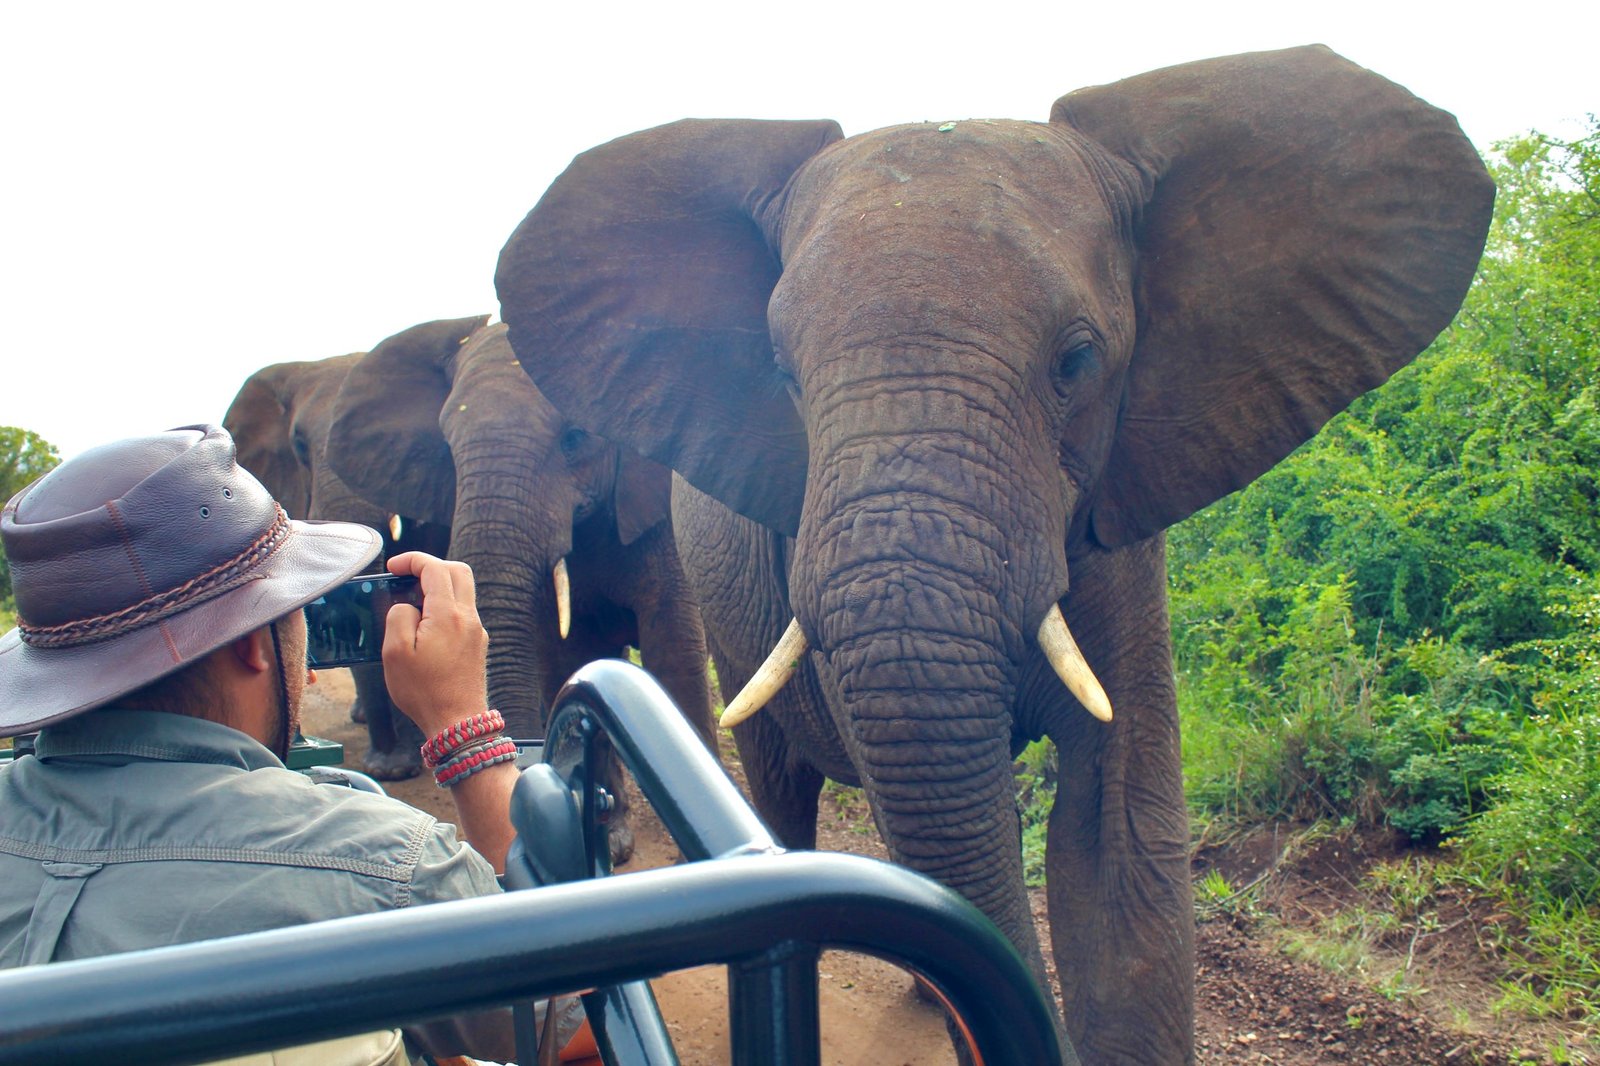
[(738, 900)]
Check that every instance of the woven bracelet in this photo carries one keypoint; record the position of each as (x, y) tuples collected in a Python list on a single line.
[(465, 761), (470, 749), (460, 769), (453, 738)]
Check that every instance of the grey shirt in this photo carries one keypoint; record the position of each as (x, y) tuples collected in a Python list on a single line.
[(135, 829)]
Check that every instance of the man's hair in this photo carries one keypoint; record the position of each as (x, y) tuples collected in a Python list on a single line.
[(191, 691), (194, 692)]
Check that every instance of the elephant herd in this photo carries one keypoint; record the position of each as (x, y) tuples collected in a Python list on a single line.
[(892, 426)]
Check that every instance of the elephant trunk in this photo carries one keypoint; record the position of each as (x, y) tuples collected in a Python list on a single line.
[(513, 618), (923, 568), (920, 641), (513, 549)]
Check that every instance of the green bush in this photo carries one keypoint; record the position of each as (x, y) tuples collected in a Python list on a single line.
[(1544, 828), (1366, 632), (1543, 831), (1035, 776)]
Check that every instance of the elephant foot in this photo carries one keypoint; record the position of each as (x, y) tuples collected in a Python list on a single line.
[(620, 838), (358, 711), (396, 765)]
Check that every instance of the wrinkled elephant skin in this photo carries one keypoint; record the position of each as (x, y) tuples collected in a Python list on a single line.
[(931, 382)]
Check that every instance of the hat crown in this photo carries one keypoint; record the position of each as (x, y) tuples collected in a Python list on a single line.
[(131, 524), (87, 481)]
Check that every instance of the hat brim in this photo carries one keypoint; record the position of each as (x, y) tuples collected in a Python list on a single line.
[(39, 686)]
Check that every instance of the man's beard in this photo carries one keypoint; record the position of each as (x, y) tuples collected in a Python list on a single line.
[(284, 728)]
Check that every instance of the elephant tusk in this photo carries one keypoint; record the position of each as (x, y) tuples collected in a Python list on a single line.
[(563, 599), (396, 527), (773, 675), (1062, 651)]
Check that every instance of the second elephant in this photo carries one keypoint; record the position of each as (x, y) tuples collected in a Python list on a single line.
[(440, 422)]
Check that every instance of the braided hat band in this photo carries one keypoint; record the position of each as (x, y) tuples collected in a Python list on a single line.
[(227, 575)]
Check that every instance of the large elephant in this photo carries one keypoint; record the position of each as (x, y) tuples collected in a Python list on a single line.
[(279, 421), (956, 379), (440, 422)]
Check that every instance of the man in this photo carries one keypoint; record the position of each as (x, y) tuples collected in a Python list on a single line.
[(160, 654)]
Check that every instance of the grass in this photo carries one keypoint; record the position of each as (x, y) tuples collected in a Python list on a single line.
[(851, 804), (1545, 948)]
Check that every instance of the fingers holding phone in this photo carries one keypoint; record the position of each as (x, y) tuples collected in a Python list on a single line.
[(434, 659)]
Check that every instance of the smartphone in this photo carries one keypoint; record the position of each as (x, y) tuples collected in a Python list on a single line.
[(344, 626)]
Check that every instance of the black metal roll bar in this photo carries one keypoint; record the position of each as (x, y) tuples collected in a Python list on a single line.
[(745, 903)]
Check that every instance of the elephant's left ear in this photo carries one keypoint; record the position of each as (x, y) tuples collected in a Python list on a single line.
[(1310, 227), (643, 496)]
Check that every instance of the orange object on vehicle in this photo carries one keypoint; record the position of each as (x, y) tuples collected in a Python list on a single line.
[(582, 1050)]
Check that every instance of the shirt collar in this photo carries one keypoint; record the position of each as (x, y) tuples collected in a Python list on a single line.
[(152, 735)]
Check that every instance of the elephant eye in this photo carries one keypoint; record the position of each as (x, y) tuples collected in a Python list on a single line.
[(572, 440), (1077, 359)]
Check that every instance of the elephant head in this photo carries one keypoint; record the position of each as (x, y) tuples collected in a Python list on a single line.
[(974, 369), (440, 422), (279, 422)]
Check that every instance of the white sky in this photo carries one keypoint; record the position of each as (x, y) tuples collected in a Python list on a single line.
[(190, 191)]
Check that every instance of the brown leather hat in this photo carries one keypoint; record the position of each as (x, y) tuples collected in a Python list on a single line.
[(137, 558)]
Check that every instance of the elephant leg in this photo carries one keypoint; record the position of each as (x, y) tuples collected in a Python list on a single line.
[(1122, 917), (736, 570), (783, 789), (672, 639), (394, 742)]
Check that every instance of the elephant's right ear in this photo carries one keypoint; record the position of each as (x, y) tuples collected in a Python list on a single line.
[(636, 295), (259, 421), (385, 441)]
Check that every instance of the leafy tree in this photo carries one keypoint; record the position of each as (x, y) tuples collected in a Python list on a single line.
[(24, 457)]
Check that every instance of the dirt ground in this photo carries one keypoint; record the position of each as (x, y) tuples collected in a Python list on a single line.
[(1254, 1002)]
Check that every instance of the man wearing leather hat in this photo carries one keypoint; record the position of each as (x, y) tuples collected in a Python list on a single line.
[(160, 655)]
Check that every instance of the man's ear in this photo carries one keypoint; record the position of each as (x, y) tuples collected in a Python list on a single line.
[(253, 651)]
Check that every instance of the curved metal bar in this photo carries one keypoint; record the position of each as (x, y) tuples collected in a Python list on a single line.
[(694, 798), (195, 1002)]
